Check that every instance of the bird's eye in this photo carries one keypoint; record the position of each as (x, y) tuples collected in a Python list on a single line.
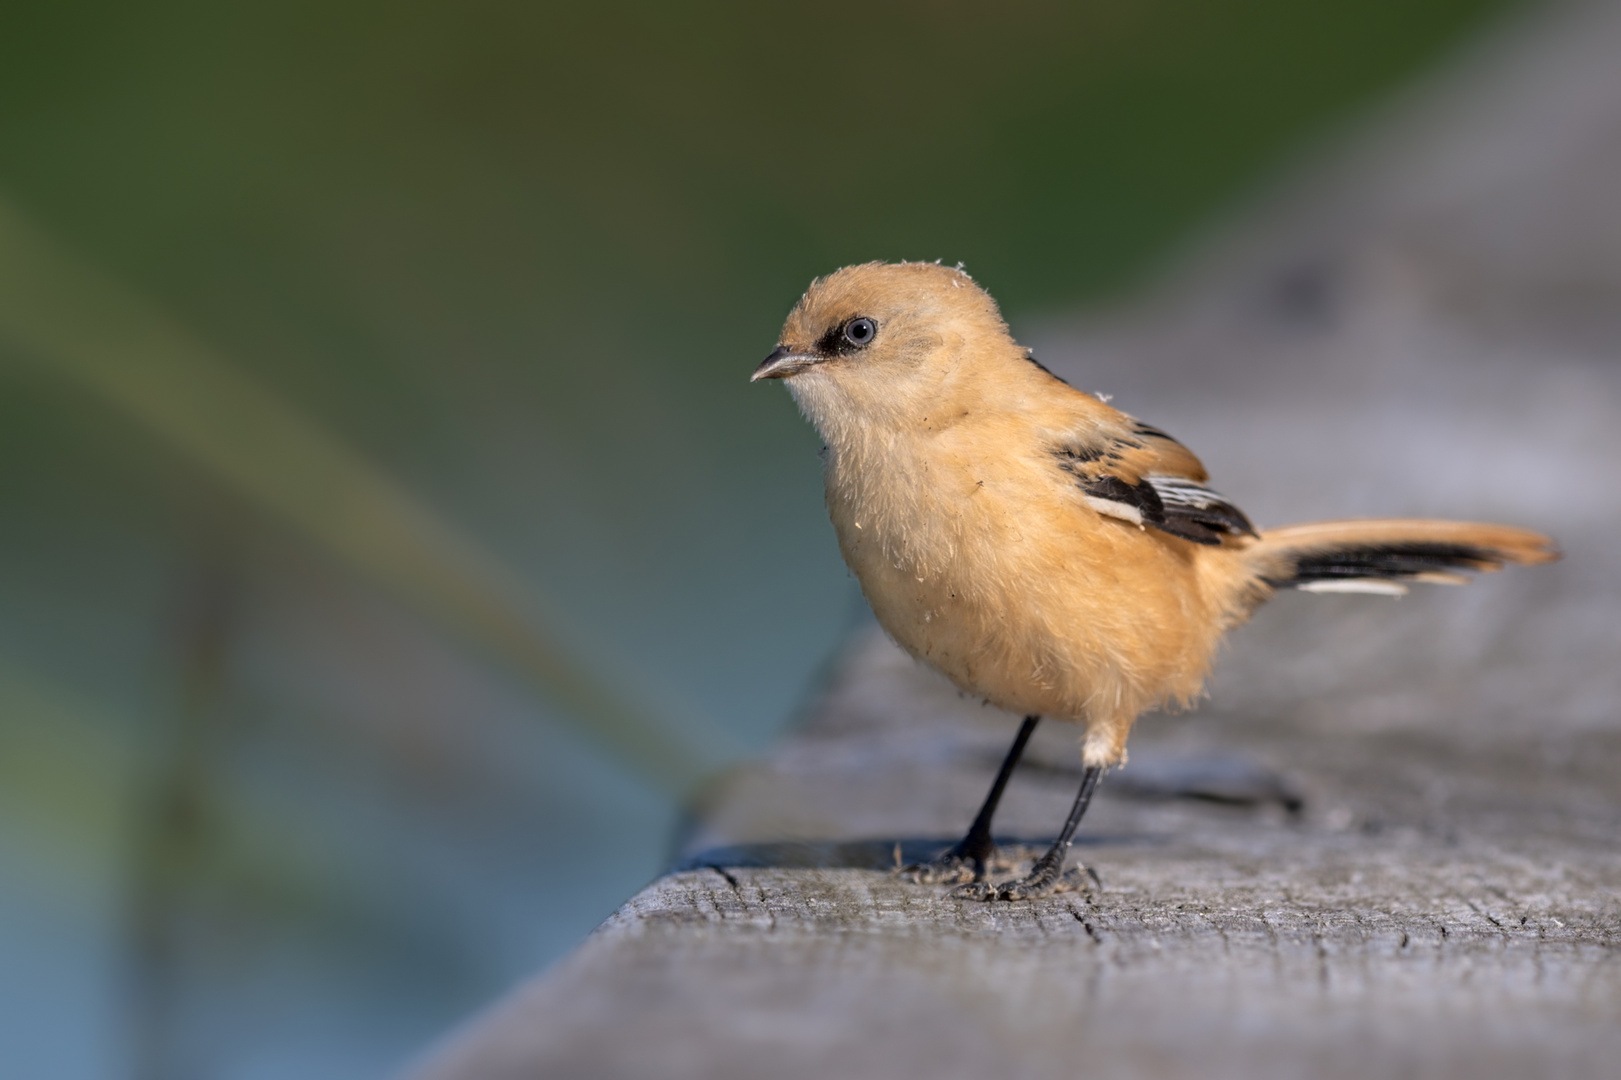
[(860, 332)]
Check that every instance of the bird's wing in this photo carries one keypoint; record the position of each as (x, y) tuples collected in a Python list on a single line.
[(1137, 473)]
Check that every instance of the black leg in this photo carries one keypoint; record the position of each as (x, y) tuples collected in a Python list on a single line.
[(1046, 876), (967, 859)]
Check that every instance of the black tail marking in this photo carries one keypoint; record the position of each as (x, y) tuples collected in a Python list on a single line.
[(1396, 560)]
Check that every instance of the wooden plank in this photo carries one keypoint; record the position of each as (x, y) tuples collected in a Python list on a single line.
[(1456, 913)]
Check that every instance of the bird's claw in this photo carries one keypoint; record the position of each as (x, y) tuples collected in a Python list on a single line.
[(1042, 881), (959, 865), (948, 868)]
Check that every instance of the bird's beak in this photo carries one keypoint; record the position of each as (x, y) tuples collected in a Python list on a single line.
[(782, 363)]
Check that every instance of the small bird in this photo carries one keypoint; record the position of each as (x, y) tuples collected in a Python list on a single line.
[(1045, 551)]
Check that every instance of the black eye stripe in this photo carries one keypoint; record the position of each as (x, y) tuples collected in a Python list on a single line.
[(850, 336)]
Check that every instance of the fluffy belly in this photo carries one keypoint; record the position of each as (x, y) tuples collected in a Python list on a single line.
[(1015, 653), (1046, 628)]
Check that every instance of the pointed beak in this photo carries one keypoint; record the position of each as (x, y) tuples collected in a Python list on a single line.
[(781, 364)]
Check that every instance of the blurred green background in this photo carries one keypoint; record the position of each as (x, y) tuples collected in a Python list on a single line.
[(389, 536)]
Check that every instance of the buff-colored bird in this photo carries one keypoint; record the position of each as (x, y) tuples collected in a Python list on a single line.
[(1047, 552)]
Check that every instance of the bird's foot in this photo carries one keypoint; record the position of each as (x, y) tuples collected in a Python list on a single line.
[(967, 861), (945, 869), (1046, 878)]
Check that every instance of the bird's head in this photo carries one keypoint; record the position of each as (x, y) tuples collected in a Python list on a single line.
[(885, 343)]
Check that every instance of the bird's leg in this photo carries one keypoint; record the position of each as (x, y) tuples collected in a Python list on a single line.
[(1047, 875), (967, 858)]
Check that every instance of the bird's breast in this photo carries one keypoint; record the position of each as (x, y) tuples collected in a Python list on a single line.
[(914, 514), (938, 541)]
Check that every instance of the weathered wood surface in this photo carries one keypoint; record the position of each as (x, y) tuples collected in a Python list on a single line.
[(1432, 910), (1432, 325)]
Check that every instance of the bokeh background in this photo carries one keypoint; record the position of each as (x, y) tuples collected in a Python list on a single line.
[(389, 537)]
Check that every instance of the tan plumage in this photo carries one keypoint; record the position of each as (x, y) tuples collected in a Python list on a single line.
[(1045, 551)]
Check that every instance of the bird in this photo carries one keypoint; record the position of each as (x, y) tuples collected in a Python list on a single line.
[(1047, 552)]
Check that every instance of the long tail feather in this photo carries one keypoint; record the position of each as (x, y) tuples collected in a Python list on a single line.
[(1383, 555)]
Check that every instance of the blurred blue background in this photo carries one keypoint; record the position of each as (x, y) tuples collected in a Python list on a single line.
[(389, 537)]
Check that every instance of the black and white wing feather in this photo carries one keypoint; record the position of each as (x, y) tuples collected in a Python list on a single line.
[(1143, 476), (1194, 512)]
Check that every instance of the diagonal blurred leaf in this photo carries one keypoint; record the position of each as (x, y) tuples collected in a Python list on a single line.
[(114, 344)]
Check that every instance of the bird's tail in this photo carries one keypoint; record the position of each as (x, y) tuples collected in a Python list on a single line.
[(1384, 555)]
